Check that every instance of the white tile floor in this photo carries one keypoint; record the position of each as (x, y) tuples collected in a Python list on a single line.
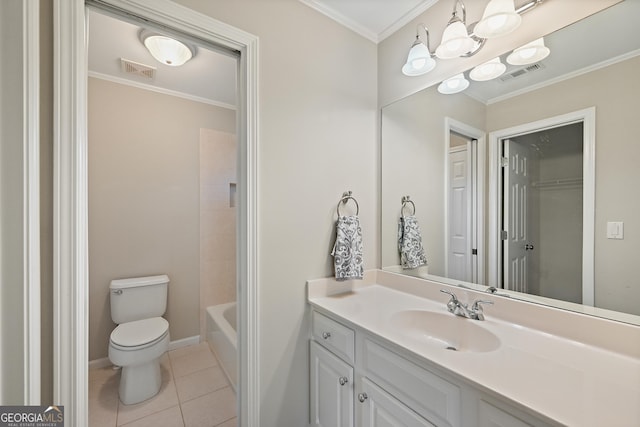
[(194, 393)]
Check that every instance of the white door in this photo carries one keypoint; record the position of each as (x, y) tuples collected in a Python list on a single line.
[(331, 389), (380, 409), (516, 193), (459, 235)]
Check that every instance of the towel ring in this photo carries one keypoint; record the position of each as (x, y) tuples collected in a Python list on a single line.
[(405, 200), (346, 196)]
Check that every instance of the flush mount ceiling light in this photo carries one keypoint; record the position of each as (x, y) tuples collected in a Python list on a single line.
[(488, 71), (529, 53), (499, 18), (420, 59), (453, 85), (166, 50)]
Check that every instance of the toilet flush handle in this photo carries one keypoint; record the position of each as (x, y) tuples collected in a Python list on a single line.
[(117, 291)]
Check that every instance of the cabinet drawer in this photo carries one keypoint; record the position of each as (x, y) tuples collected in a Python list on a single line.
[(336, 337), (431, 396)]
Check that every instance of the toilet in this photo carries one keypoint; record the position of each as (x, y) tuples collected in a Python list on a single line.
[(142, 335)]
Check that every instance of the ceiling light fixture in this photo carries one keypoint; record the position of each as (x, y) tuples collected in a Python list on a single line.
[(453, 85), (529, 53), (167, 50), (420, 59), (488, 71), (499, 18)]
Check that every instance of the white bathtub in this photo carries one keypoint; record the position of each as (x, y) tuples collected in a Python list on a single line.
[(223, 339)]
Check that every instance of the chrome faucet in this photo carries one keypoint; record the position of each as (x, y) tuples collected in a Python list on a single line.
[(460, 309)]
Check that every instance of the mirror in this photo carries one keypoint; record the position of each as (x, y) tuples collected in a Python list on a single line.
[(419, 131)]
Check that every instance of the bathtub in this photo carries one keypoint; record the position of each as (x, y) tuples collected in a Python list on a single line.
[(222, 338)]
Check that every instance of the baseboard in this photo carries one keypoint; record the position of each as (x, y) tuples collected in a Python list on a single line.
[(184, 342)]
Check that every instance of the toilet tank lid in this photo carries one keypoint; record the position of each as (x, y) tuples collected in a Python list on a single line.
[(139, 281)]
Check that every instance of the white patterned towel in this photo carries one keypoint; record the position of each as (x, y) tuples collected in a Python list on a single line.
[(410, 243), (347, 251)]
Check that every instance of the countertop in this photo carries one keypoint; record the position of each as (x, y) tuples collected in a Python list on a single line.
[(568, 380)]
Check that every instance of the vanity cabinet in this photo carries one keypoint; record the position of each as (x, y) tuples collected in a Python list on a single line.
[(360, 380), (331, 373)]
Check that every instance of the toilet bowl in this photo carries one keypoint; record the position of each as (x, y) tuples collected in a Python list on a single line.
[(137, 347), (141, 337)]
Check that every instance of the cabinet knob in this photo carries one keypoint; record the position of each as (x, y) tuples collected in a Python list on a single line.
[(343, 380), (362, 397), (326, 335)]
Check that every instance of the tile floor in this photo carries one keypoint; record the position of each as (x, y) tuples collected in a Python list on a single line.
[(194, 393)]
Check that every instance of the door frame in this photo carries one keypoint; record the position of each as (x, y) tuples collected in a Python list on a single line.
[(478, 150), (588, 117), (70, 258)]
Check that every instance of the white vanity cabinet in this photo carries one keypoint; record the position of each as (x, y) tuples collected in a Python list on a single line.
[(331, 373), (360, 380)]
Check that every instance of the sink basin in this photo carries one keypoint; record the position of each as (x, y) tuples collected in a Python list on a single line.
[(444, 330)]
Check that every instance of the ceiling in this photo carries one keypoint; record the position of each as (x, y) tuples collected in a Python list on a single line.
[(373, 19), (210, 76)]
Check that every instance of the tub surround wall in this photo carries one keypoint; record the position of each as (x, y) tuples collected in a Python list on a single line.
[(144, 199), (218, 161)]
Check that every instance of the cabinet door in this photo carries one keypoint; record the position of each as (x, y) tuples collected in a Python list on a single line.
[(380, 409), (331, 389)]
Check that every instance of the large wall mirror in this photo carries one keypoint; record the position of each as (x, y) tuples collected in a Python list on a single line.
[(566, 231)]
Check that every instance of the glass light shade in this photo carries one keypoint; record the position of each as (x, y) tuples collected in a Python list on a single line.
[(453, 85), (499, 18), (529, 53), (419, 60), (167, 50), (455, 41), (487, 71)]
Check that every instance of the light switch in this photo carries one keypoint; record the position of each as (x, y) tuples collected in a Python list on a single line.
[(615, 230)]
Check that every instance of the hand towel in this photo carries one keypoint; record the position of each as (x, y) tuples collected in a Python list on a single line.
[(410, 243), (347, 251)]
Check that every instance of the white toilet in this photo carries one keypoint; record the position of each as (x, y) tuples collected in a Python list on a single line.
[(141, 337)]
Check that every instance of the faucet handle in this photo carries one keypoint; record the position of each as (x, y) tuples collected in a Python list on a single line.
[(454, 298), (476, 304)]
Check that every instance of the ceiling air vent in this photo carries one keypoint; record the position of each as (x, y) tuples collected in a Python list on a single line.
[(135, 68), (522, 71)]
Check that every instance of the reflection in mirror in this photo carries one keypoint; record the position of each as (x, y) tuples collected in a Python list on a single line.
[(429, 141)]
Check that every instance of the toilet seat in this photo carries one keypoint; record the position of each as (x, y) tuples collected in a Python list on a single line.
[(139, 334)]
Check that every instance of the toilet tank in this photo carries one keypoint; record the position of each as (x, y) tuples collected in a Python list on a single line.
[(138, 298)]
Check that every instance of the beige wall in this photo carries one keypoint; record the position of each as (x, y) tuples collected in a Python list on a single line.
[(317, 138), (413, 159), (12, 244), (617, 168), (144, 199), (392, 52), (218, 159)]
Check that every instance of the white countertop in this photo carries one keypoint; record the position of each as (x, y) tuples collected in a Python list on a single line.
[(569, 381)]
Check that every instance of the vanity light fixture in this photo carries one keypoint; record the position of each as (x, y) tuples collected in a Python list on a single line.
[(166, 50), (529, 53), (453, 85), (420, 59), (455, 39), (488, 71), (499, 18)]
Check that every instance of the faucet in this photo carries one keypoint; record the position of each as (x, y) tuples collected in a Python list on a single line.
[(460, 309)]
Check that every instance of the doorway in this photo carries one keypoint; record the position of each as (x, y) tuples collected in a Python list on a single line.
[(70, 189), (464, 205), (542, 212), (541, 207)]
